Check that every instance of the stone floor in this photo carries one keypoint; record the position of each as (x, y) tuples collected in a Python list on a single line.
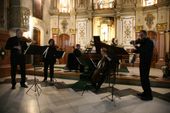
[(131, 77), (56, 98)]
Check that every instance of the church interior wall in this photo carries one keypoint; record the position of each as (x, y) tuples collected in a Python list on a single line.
[(168, 34), (79, 24)]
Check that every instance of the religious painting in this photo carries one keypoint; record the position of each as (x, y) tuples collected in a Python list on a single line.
[(38, 8)]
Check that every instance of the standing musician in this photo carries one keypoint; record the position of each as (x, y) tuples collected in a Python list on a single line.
[(144, 46), (17, 45), (49, 56), (102, 70)]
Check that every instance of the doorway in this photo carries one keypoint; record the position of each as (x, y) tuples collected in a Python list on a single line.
[(63, 42)]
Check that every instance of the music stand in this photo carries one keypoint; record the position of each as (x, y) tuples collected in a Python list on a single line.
[(119, 53), (35, 50), (58, 55), (113, 74)]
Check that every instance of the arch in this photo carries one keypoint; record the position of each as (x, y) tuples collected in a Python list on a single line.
[(63, 41), (37, 35)]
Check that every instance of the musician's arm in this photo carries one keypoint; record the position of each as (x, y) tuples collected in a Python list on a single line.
[(9, 44), (108, 58)]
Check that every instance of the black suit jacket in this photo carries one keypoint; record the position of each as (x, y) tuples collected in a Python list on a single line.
[(145, 50), (50, 55), (11, 43)]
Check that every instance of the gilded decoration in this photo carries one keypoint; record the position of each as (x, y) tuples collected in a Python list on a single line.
[(149, 20), (161, 26), (82, 29), (82, 33), (55, 31), (64, 24), (72, 31), (138, 28), (127, 29)]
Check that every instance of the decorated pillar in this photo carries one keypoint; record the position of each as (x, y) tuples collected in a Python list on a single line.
[(161, 27)]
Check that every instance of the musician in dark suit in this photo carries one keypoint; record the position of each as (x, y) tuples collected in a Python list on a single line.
[(49, 57), (144, 46), (77, 51), (17, 46), (72, 62), (114, 62), (102, 70)]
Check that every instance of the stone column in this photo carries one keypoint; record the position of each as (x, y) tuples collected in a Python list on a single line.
[(161, 27), (54, 7), (162, 46), (90, 5), (18, 16)]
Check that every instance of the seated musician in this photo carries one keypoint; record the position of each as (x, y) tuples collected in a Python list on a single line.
[(72, 63), (102, 70)]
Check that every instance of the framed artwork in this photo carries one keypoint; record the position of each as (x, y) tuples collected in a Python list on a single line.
[(149, 20), (38, 9)]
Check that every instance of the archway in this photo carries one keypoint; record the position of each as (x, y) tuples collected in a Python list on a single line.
[(36, 37), (63, 42)]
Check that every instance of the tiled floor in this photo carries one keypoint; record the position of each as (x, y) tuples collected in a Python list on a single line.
[(65, 100)]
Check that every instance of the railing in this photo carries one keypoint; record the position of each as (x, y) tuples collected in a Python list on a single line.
[(104, 5)]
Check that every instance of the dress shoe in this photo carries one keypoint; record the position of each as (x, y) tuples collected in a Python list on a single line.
[(140, 94), (45, 80), (94, 85), (51, 80), (97, 88), (24, 86), (146, 98)]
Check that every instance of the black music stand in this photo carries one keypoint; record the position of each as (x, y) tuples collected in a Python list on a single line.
[(119, 53), (113, 74), (36, 51), (97, 43), (58, 55)]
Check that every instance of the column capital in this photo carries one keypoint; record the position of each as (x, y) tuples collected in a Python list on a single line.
[(161, 27), (139, 28)]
